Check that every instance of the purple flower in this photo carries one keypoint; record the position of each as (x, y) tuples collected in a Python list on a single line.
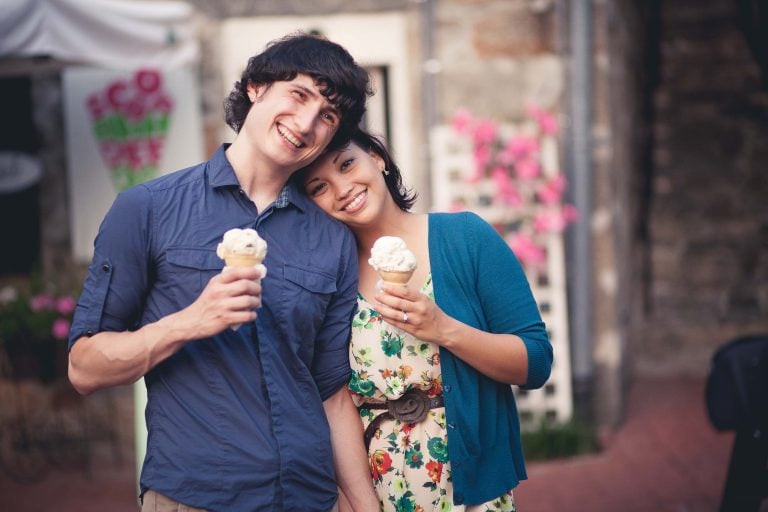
[(65, 305), (42, 302), (60, 329)]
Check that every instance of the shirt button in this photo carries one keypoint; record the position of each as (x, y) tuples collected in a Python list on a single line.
[(447, 388), (89, 333), (456, 463), (458, 498), (105, 268), (242, 192)]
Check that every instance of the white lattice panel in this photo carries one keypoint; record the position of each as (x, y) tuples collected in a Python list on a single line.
[(452, 159)]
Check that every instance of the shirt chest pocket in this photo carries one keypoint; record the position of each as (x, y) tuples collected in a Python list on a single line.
[(188, 271), (304, 297)]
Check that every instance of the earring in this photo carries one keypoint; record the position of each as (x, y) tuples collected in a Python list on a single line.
[(384, 170)]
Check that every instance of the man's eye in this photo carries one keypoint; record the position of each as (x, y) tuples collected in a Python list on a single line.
[(300, 94), (331, 118)]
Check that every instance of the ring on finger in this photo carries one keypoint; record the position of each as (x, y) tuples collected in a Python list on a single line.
[(405, 317)]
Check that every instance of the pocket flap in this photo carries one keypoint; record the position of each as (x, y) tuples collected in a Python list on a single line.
[(310, 280), (200, 259)]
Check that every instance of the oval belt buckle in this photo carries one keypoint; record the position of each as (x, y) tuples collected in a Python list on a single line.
[(410, 408)]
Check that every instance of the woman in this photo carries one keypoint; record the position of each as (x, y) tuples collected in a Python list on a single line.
[(433, 361)]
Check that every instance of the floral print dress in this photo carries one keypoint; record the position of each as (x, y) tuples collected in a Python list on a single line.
[(409, 463)]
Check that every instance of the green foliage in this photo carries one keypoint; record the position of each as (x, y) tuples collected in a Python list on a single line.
[(552, 441)]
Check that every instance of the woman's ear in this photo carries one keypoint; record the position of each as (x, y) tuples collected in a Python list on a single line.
[(254, 91), (379, 162)]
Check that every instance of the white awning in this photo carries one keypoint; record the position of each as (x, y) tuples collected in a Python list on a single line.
[(112, 34)]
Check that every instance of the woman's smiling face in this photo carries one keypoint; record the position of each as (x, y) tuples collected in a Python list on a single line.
[(348, 184)]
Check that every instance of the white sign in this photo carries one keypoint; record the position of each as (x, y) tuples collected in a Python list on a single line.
[(18, 171), (123, 128)]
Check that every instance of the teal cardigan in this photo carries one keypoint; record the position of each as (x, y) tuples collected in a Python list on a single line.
[(478, 280)]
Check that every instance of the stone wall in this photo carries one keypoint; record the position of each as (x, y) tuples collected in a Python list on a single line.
[(708, 222)]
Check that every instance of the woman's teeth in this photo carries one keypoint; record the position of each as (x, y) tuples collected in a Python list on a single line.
[(355, 202)]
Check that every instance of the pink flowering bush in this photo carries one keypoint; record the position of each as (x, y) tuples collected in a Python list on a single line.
[(514, 187), (36, 326)]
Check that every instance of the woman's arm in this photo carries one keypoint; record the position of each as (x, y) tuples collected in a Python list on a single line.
[(502, 357)]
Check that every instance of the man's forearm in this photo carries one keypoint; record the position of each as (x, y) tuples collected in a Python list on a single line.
[(349, 454), (117, 358)]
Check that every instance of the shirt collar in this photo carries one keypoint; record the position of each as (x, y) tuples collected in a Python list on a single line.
[(221, 174)]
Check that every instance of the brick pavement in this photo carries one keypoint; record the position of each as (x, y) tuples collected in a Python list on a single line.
[(664, 458)]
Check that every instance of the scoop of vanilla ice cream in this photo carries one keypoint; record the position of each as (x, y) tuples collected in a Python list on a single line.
[(242, 242), (389, 253)]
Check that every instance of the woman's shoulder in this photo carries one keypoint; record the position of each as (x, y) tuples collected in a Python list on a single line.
[(456, 219)]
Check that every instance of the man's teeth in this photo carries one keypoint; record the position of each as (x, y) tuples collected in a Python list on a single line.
[(355, 202), (290, 138)]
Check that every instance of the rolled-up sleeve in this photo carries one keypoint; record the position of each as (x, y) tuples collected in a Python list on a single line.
[(111, 299), (330, 366)]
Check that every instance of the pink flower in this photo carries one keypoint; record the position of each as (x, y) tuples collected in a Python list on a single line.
[(520, 148), (554, 221), (549, 222), (60, 329), (482, 159), (570, 213), (505, 189), (526, 250), (546, 121), (42, 302), (65, 305), (528, 169), (456, 206), (551, 192), (462, 121), (485, 132)]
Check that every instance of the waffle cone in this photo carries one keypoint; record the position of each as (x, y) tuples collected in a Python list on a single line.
[(241, 260), (393, 277)]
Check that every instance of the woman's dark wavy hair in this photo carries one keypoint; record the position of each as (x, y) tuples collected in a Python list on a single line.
[(403, 196), (341, 80)]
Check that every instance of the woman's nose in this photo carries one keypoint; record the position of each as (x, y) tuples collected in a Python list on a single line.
[(343, 191)]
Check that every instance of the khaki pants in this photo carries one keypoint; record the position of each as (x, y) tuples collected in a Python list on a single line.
[(156, 502)]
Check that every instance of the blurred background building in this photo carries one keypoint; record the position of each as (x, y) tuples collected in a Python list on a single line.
[(662, 108)]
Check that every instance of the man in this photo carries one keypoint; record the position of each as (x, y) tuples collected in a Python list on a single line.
[(237, 418)]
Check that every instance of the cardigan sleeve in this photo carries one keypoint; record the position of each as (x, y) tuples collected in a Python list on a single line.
[(507, 301)]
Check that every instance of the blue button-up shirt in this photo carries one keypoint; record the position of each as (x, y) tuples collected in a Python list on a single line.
[(235, 422)]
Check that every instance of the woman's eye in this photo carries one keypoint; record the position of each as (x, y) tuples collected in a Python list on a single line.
[(346, 164), (316, 189)]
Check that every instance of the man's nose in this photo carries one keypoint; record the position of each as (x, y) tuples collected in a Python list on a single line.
[(307, 117)]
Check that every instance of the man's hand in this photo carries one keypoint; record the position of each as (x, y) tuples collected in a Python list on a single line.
[(229, 298)]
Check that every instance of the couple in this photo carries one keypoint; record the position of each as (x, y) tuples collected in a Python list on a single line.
[(261, 418)]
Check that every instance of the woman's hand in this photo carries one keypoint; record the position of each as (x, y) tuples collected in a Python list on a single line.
[(412, 311), (502, 357)]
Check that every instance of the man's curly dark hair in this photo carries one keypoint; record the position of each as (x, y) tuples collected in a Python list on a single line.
[(340, 79)]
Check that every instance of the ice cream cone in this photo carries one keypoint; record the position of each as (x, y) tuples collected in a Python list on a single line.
[(241, 260), (242, 248), (392, 277)]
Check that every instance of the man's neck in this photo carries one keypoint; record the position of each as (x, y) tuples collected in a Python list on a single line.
[(260, 181)]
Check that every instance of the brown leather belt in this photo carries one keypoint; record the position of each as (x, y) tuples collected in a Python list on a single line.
[(410, 408)]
